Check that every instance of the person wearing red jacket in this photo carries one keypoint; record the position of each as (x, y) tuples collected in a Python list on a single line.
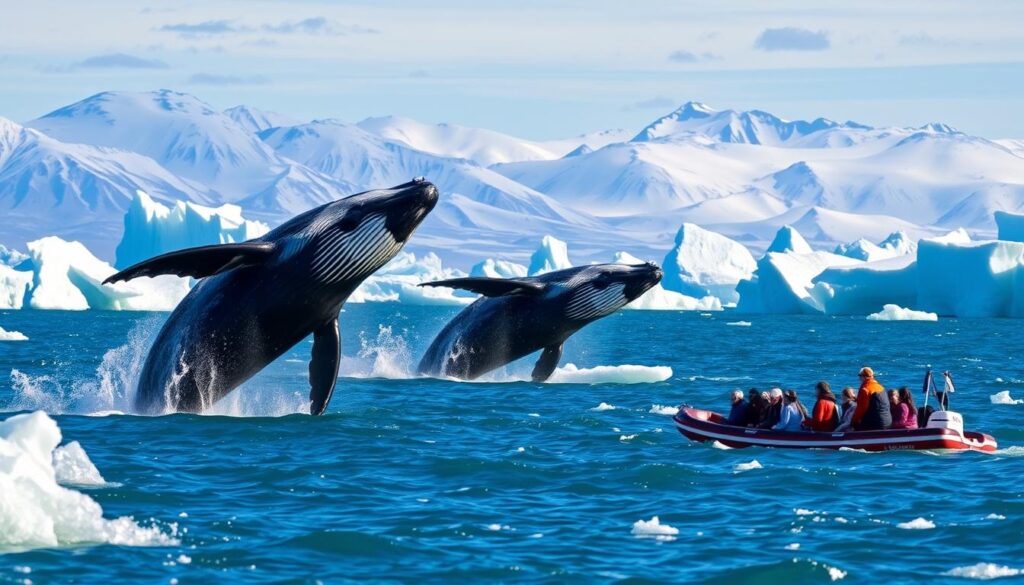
[(872, 411), (824, 417)]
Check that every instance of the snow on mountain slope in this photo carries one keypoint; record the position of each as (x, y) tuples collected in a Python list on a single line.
[(753, 127), (484, 147), (255, 120), (75, 190)]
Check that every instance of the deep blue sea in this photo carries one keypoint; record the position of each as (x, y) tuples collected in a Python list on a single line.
[(419, 480)]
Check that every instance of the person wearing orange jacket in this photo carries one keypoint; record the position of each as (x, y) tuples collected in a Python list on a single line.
[(872, 411)]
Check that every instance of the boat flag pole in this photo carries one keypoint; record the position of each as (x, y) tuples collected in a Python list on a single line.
[(927, 387)]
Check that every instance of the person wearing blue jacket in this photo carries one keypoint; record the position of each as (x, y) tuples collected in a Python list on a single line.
[(739, 413), (791, 419)]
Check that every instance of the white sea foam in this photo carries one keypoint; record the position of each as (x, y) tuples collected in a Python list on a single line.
[(917, 524), (385, 356), (36, 511), (661, 409), (12, 335), (602, 407), (804, 512), (984, 571), (624, 374), (741, 467), (792, 546), (722, 446), (740, 324), (1004, 398), (625, 438), (653, 528)]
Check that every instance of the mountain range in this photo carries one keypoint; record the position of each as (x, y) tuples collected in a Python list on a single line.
[(73, 172)]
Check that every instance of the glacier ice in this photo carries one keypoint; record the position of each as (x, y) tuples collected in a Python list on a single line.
[(151, 229), (659, 299), (897, 244), (1010, 226), (13, 285), (705, 263), (12, 335), (399, 279), (36, 511)]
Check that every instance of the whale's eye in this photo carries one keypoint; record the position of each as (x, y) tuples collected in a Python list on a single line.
[(602, 282), (351, 220)]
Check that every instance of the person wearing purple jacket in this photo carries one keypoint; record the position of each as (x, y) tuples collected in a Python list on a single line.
[(904, 413)]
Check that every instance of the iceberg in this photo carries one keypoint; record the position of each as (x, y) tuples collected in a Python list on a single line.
[(492, 268), (705, 263), (897, 244), (13, 286), (553, 254), (399, 280), (36, 511), (659, 299), (12, 335), (898, 313), (783, 281), (974, 279), (864, 288), (1010, 226), (151, 229), (66, 276)]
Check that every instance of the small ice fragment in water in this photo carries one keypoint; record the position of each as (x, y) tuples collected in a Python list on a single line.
[(603, 406), (836, 574), (897, 313), (660, 409), (184, 559), (12, 335), (183, 515), (793, 546), (717, 445), (1004, 398), (995, 517), (72, 466), (741, 467), (804, 512), (626, 437), (534, 414), (916, 524), (653, 528), (740, 324)]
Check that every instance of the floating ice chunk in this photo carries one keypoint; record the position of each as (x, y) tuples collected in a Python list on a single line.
[(719, 445), (1004, 397), (917, 524), (492, 268), (804, 512), (35, 511), (653, 528), (627, 438), (983, 571), (995, 516), (73, 467), (835, 574), (704, 263), (12, 335), (793, 546), (740, 324), (741, 467), (65, 275), (897, 313), (552, 255), (624, 374), (603, 406), (13, 286), (151, 229), (660, 409)]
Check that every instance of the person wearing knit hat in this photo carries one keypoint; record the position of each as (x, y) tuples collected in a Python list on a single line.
[(872, 411)]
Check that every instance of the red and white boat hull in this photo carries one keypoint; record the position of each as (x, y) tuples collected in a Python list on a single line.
[(703, 425)]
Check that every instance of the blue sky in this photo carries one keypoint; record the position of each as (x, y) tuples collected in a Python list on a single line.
[(531, 68)]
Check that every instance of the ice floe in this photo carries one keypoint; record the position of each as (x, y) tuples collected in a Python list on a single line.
[(12, 335), (653, 528), (898, 313), (624, 374), (1003, 397), (917, 524), (36, 511)]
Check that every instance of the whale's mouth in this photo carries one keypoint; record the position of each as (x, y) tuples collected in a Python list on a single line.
[(407, 208)]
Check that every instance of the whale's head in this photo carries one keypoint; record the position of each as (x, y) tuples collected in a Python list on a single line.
[(345, 241), (592, 292)]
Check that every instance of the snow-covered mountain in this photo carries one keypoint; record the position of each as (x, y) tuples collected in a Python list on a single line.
[(73, 172)]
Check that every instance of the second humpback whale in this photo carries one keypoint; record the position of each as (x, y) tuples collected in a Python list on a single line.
[(518, 316), (259, 298)]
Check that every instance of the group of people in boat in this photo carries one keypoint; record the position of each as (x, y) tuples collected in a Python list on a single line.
[(869, 408)]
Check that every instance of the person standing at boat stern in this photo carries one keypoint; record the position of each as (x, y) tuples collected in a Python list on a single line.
[(872, 412)]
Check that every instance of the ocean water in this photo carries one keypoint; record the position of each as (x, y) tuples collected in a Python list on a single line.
[(504, 480)]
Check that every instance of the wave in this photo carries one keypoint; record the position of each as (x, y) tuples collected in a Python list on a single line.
[(37, 511), (983, 571), (624, 374)]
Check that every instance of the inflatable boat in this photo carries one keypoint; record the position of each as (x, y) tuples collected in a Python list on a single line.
[(943, 431)]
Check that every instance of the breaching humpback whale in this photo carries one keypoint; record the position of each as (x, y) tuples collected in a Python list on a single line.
[(258, 298), (518, 316)]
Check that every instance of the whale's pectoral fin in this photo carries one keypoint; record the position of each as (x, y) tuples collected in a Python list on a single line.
[(491, 287), (323, 367), (547, 363), (199, 262)]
